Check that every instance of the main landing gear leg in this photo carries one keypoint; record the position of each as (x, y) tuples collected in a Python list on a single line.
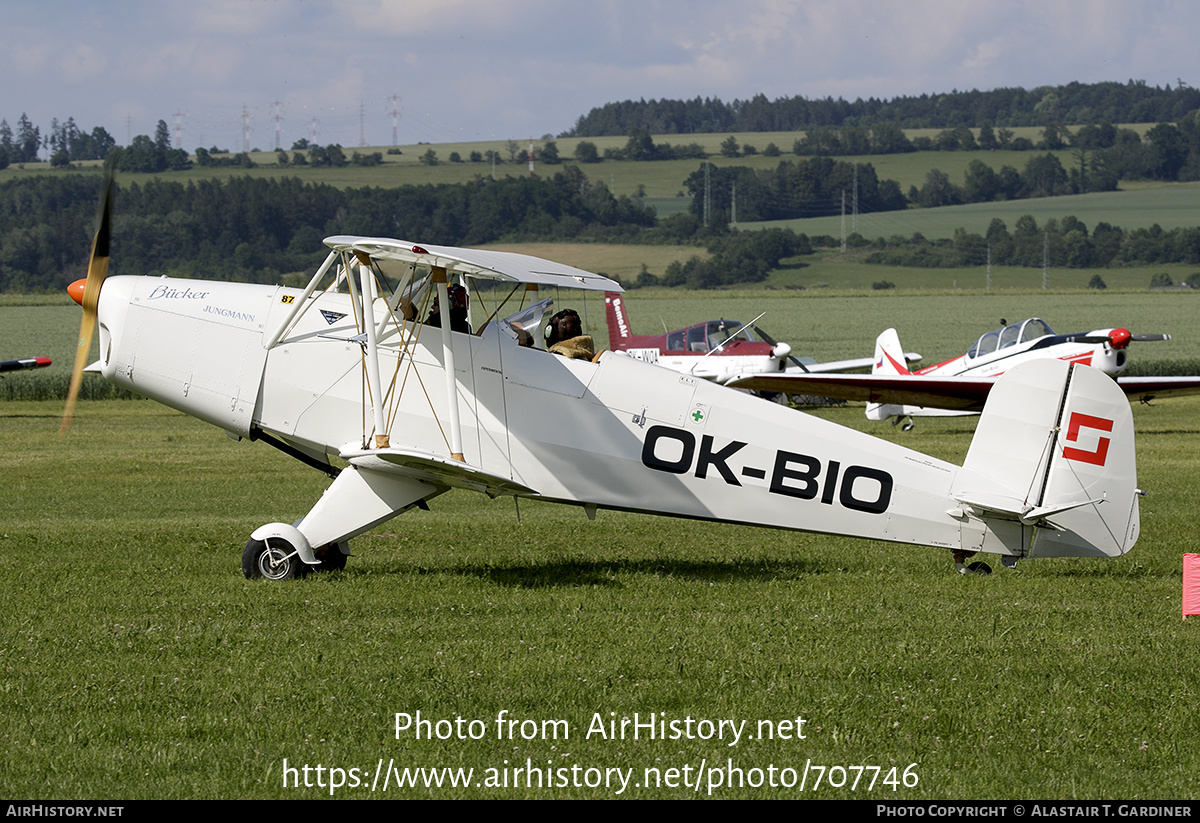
[(358, 500)]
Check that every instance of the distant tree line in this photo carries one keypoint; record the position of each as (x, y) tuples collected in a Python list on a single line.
[(820, 186), (65, 142), (1065, 243), (1131, 102), (146, 155), (259, 230), (1103, 153), (813, 187), (734, 258)]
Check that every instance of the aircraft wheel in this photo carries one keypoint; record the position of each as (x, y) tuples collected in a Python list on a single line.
[(333, 557), (278, 561), (978, 568), (907, 427)]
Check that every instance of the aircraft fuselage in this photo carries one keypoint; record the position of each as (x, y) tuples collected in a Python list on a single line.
[(615, 433)]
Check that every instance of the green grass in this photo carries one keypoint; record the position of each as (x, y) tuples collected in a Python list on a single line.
[(138, 663)]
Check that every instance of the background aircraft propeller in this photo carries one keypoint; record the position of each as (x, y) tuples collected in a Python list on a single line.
[(1117, 338), (87, 292)]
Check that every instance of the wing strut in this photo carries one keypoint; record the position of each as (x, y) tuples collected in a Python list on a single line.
[(440, 277), (374, 384), (302, 303)]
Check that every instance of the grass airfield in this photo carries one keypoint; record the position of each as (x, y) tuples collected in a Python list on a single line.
[(139, 663)]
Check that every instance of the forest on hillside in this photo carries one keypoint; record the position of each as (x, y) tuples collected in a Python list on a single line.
[(262, 229), (1070, 104), (257, 230)]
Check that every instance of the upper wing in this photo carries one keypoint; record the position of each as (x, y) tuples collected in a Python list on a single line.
[(955, 393), (492, 265)]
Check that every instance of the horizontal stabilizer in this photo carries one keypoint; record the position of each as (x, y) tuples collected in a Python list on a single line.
[(1016, 508)]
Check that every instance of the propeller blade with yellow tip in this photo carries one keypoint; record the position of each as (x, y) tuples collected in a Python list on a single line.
[(87, 292)]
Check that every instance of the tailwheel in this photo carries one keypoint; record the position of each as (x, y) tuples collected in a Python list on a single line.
[(963, 567), (277, 560), (332, 557), (908, 425), (974, 568)]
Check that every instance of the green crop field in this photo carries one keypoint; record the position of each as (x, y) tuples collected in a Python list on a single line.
[(1170, 207), (826, 324), (138, 663)]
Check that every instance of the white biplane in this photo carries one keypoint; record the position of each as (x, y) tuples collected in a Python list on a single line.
[(960, 386), (411, 410)]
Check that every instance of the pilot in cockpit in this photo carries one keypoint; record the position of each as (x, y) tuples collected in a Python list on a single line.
[(565, 337), (458, 311)]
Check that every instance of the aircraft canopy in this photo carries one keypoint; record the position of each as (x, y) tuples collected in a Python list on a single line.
[(1006, 336)]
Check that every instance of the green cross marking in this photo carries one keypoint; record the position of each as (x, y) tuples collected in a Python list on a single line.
[(697, 415)]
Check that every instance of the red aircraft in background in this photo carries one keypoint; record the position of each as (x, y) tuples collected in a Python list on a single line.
[(716, 350)]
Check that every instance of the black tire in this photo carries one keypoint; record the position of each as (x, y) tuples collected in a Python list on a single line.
[(332, 557), (278, 561)]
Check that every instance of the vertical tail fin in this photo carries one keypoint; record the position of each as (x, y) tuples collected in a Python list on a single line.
[(618, 321), (889, 357), (1054, 450)]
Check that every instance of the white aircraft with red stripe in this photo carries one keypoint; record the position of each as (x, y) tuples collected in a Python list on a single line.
[(717, 350), (961, 385)]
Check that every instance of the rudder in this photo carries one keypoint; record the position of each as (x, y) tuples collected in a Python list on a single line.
[(618, 321)]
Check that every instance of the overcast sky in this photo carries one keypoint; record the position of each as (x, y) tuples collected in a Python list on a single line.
[(513, 69)]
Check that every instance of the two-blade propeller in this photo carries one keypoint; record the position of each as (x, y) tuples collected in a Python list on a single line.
[(1117, 338), (87, 292)]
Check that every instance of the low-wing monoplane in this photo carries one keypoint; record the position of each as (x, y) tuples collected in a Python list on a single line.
[(717, 350), (354, 372), (24, 363), (961, 385)]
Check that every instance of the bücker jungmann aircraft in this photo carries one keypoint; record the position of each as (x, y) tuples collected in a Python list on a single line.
[(357, 372)]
